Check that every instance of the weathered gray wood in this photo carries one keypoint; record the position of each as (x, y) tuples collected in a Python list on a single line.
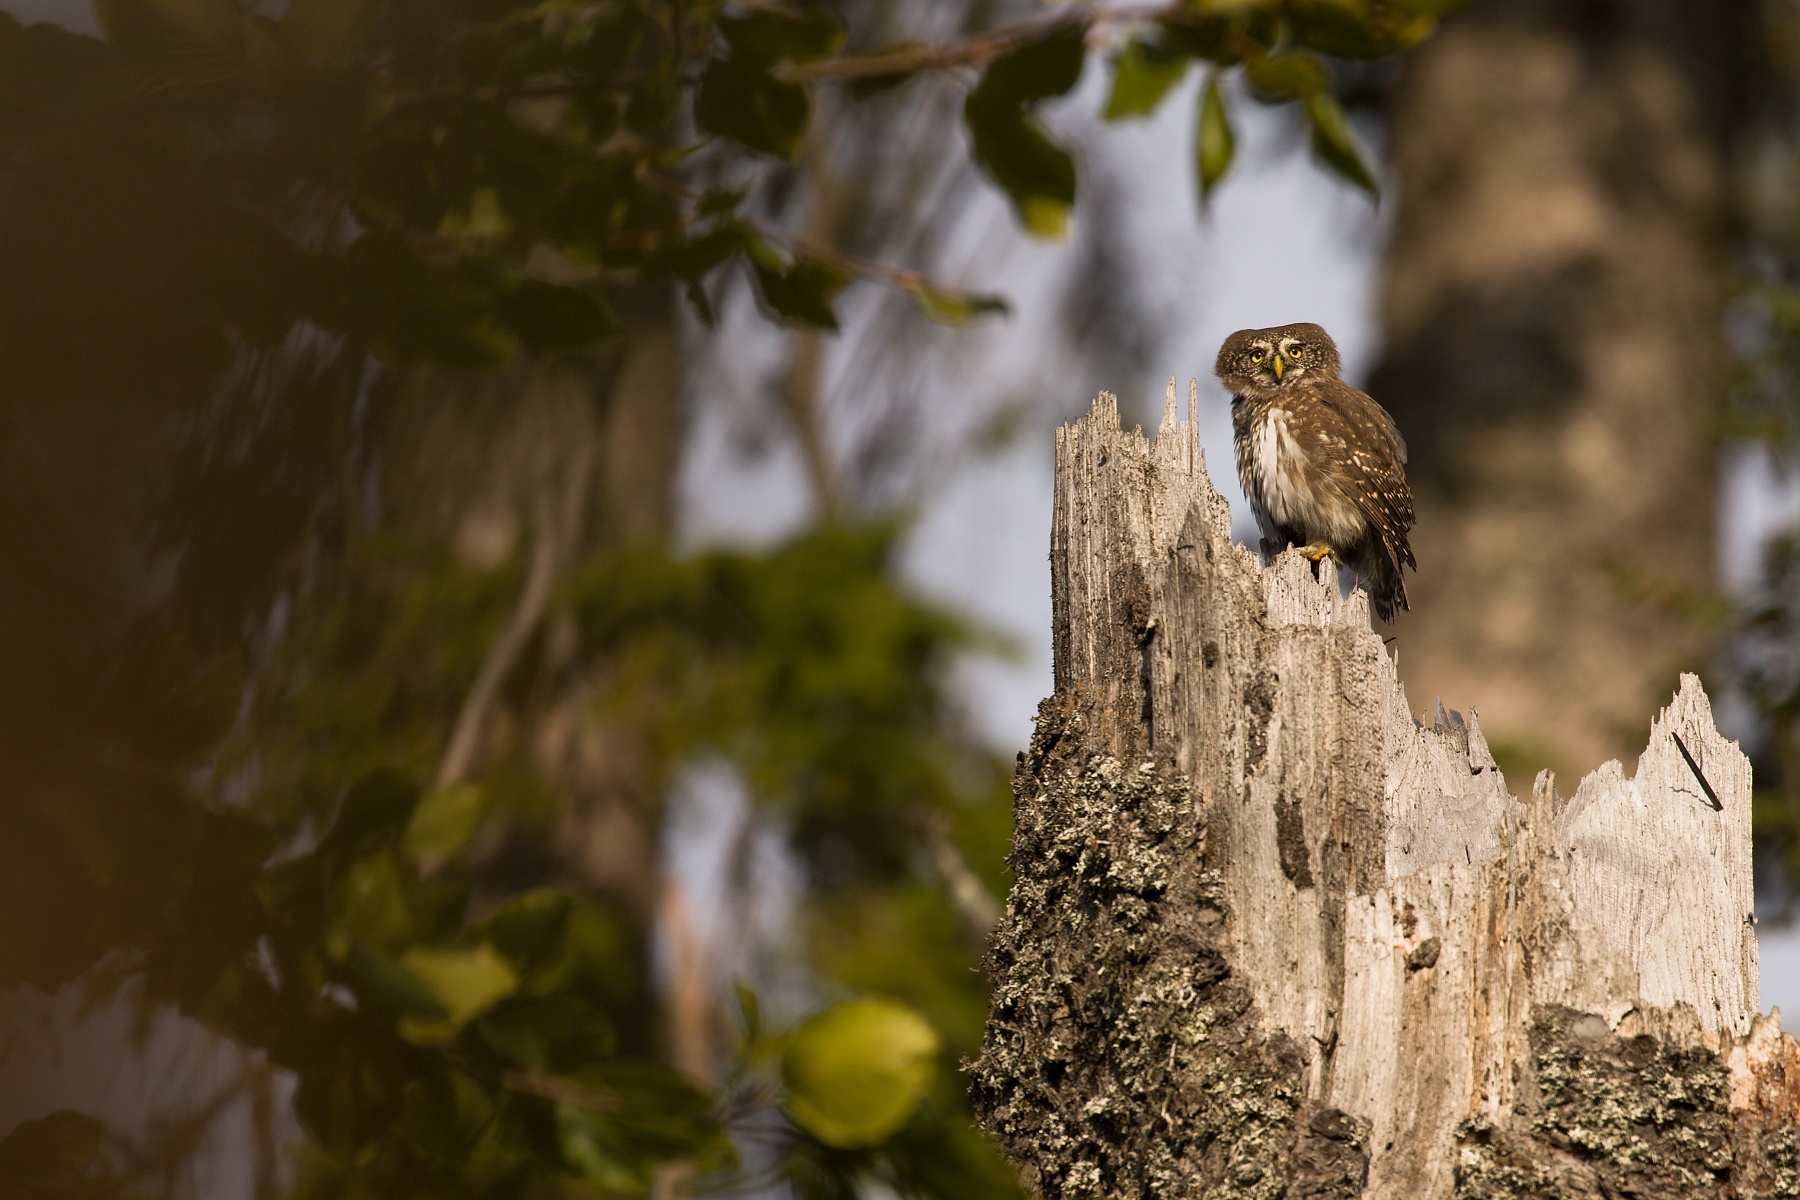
[(1272, 936)]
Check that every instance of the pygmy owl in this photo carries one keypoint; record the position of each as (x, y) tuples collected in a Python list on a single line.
[(1322, 464)]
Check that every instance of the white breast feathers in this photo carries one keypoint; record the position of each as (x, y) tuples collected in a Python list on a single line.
[(1277, 472)]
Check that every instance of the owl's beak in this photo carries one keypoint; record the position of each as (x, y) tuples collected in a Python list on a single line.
[(1275, 363)]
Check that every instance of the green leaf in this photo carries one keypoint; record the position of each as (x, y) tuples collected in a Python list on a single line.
[(1215, 38), (1038, 68), (594, 1148), (1333, 141), (443, 822), (1288, 76), (623, 1119), (739, 95), (375, 812), (548, 317), (767, 36), (802, 294), (741, 100), (465, 982), (749, 1010), (1036, 174), (1143, 73), (855, 1073), (368, 905), (530, 927), (542, 1033), (1349, 29), (377, 978), (409, 311), (956, 308), (1213, 140)]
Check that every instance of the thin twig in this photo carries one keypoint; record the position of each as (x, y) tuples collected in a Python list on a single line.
[(979, 911), (901, 279), (1711, 796), (502, 655), (553, 529), (972, 51)]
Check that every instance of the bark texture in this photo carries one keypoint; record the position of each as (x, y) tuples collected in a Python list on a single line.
[(1271, 937), (1555, 357)]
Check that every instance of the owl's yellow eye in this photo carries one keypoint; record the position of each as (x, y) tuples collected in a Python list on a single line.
[(1256, 356), (1293, 352)]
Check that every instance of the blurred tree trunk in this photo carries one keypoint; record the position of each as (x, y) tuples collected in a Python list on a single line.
[(556, 461), (1555, 357)]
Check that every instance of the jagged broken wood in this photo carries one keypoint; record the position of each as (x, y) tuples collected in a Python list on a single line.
[(1270, 936)]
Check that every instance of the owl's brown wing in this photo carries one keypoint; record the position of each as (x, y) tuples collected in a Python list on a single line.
[(1353, 441)]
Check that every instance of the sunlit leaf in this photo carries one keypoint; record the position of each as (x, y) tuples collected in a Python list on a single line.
[(1213, 140), (369, 905), (855, 1073), (1333, 141), (483, 221), (956, 308), (465, 982), (1143, 73), (443, 822)]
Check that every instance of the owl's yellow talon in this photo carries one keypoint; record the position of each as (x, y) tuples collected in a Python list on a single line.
[(1316, 551)]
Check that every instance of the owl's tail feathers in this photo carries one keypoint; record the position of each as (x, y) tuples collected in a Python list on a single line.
[(1386, 584)]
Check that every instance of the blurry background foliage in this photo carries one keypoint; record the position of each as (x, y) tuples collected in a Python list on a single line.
[(348, 666), (1763, 321)]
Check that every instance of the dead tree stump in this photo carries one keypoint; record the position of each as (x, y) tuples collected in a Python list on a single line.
[(1272, 937)]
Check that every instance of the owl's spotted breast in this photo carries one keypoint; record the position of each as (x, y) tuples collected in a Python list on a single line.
[(1287, 491)]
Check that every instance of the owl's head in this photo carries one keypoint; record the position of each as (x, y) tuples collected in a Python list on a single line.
[(1262, 362)]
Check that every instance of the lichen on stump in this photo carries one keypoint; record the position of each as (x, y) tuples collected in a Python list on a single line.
[(1122, 1058), (1270, 936)]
